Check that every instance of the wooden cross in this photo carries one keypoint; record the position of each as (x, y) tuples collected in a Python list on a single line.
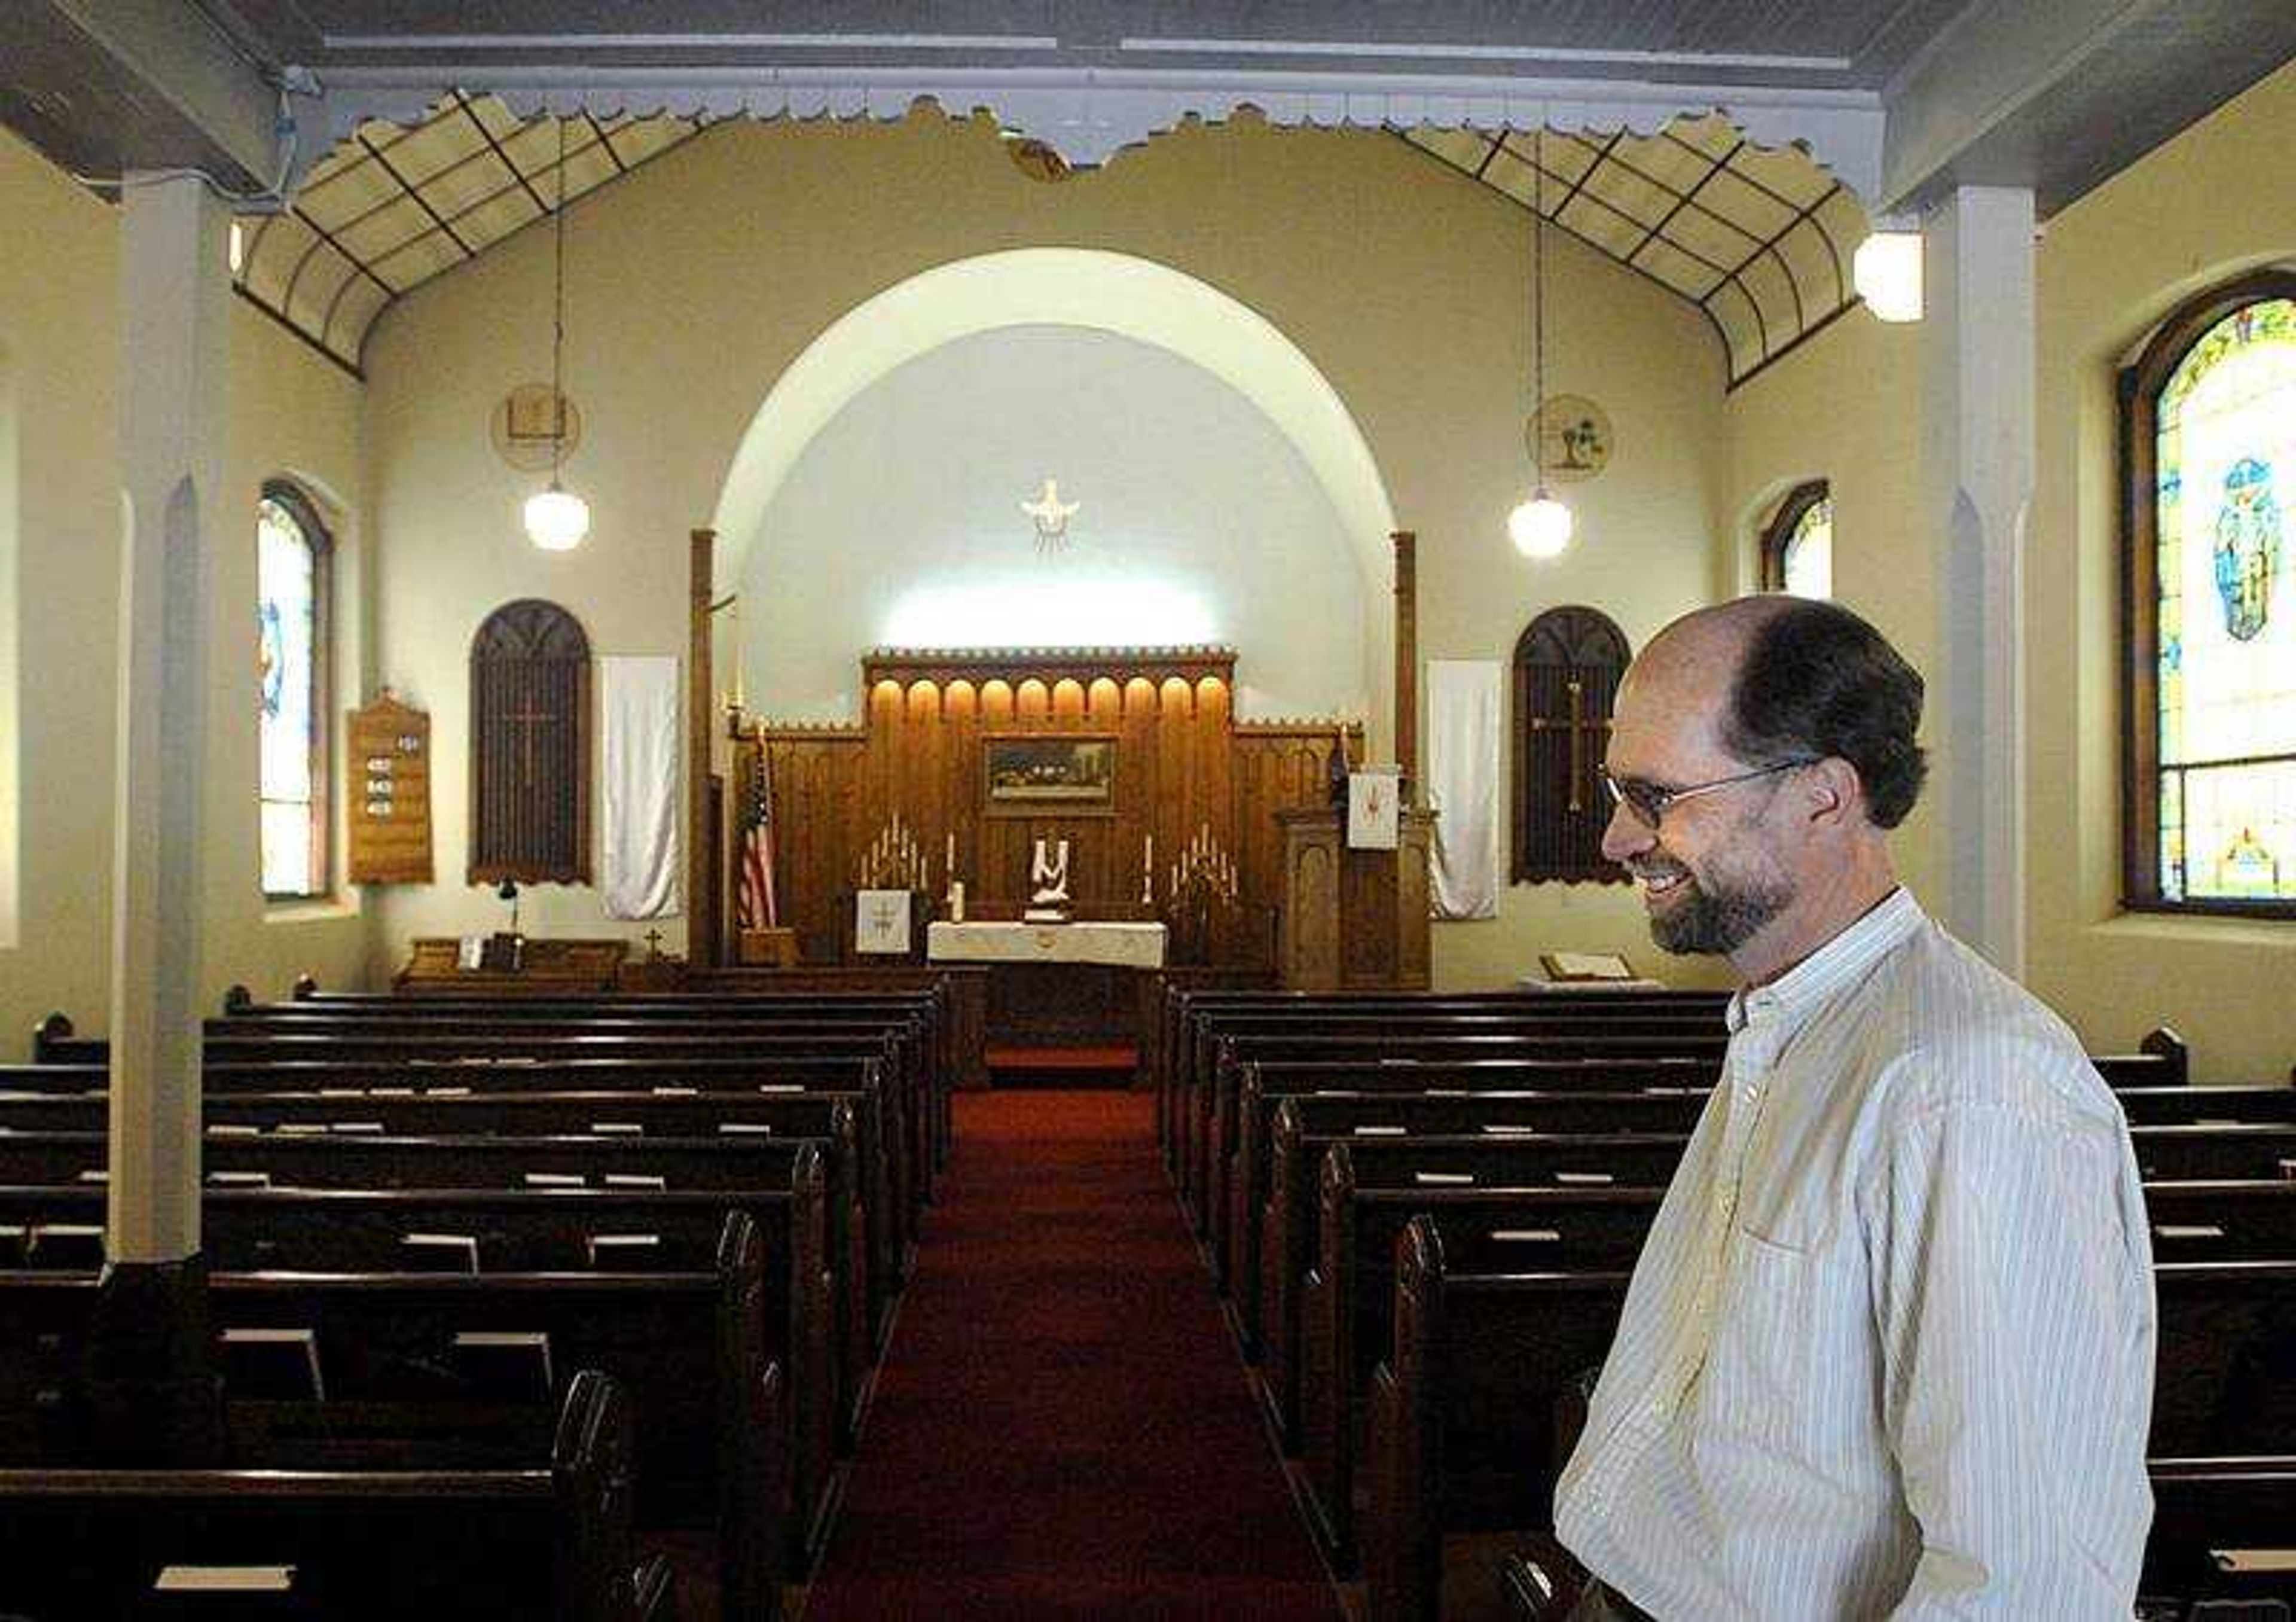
[(653, 944), (530, 720)]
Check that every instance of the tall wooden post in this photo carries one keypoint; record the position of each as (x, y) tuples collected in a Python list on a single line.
[(1406, 662), (701, 926)]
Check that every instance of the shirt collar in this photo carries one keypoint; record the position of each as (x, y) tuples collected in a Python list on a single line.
[(1842, 959)]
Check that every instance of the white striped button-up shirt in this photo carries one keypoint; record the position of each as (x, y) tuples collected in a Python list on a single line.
[(1887, 1351)]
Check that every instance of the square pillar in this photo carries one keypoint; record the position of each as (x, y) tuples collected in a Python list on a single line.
[(1978, 443)]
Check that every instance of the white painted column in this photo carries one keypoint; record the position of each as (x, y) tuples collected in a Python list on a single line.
[(174, 312), (1977, 442)]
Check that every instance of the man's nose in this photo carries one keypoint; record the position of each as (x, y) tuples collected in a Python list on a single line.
[(1624, 837)]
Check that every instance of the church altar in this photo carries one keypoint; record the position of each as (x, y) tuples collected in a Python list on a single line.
[(1119, 945)]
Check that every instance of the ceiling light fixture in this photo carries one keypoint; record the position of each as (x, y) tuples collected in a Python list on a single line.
[(1888, 270), (1541, 526), (556, 519)]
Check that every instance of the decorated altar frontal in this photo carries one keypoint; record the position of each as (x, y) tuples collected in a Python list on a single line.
[(1118, 945)]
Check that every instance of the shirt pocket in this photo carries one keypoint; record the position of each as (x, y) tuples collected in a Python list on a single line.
[(1760, 1361)]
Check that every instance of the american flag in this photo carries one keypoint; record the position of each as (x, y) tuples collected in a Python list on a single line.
[(754, 907)]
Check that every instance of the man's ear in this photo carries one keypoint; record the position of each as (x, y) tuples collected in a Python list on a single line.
[(1832, 791)]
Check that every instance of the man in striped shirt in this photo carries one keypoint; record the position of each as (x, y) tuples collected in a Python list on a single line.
[(1887, 1351)]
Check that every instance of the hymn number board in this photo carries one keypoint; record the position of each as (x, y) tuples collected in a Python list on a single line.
[(388, 789)]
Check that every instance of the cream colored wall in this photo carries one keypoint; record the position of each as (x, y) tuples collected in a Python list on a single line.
[(2218, 199), (59, 334), (1198, 521), (1790, 424), (694, 283)]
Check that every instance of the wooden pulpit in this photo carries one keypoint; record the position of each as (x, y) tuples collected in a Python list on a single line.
[(1353, 920)]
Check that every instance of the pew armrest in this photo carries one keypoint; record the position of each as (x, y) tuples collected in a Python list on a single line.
[(653, 1592), (1540, 1590)]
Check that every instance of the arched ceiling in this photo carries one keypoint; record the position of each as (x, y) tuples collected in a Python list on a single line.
[(1759, 238)]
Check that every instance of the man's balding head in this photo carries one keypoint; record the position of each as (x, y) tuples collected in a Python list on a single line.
[(1782, 678)]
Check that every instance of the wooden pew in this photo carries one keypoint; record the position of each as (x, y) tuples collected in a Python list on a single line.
[(688, 1348), (893, 1228), (1346, 1301), (1192, 1019), (540, 1230), (1625, 1096), (923, 1058), (1551, 1137), (1469, 1410), (374, 1160), (475, 1545), (853, 1172), (776, 1052), (1209, 1125), (950, 1001)]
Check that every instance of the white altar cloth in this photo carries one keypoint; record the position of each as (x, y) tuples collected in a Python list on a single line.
[(1123, 945)]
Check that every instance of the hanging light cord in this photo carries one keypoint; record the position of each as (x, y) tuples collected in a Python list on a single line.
[(1537, 318), (558, 320)]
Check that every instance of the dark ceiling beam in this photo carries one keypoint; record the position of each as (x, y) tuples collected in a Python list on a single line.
[(2060, 97), (104, 87)]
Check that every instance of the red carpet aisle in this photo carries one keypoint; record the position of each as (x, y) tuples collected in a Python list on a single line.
[(1062, 1428)]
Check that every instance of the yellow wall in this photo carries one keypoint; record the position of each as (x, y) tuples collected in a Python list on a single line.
[(694, 283), (1847, 407), (59, 356), (2218, 199)]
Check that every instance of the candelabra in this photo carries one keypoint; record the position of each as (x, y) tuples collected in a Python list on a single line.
[(895, 860), (1205, 866)]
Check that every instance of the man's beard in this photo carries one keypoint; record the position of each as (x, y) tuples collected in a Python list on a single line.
[(1719, 919)]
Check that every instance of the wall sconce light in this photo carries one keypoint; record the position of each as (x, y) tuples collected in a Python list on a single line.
[(1888, 271)]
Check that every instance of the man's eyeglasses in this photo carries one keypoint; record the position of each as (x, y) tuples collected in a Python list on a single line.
[(1648, 804)]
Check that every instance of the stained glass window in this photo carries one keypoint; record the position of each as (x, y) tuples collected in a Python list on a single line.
[(1797, 545), (2217, 748), (291, 665)]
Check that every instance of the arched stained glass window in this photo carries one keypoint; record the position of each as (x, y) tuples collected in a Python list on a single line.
[(2210, 419), (1798, 545), (290, 616)]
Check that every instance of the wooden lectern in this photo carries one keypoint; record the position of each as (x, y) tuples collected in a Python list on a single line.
[(1353, 920)]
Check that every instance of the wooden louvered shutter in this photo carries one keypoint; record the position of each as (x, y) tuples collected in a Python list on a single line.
[(530, 747), (1567, 670)]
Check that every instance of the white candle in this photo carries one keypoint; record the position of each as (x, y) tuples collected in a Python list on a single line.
[(1148, 853)]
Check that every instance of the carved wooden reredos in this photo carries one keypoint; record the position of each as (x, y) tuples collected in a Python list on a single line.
[(1203, 786)]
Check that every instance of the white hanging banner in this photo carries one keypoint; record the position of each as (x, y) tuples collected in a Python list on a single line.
[(638, 864), (1464, 711)]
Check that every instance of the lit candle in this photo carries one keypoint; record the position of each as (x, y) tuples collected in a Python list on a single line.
[(1148, 853), (952, 854)]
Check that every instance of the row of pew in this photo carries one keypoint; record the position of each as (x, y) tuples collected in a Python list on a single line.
[(1422, 1213), (520, 1308)]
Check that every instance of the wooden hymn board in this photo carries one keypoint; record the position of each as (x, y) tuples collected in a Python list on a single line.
[(387, 771)]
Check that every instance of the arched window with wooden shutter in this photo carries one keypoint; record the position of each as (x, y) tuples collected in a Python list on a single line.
[(1567, 669), (530, 747)]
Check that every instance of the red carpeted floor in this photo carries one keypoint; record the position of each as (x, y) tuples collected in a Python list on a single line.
[(1062, 1428)]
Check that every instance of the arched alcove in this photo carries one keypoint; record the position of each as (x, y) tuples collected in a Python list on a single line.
[(1105, 303)]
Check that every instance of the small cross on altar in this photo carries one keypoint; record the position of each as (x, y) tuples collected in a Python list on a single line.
[(654, 944)]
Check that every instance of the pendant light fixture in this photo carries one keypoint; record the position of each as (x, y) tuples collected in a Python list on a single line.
[(1541, 526), (556, 519)]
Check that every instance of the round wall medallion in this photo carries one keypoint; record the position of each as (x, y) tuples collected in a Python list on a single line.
[(527, 433), (1574, 435)]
